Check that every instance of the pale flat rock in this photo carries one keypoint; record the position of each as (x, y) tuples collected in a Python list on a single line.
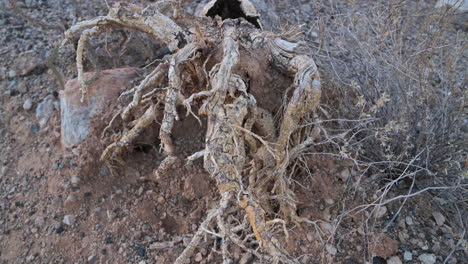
[(76, 116), (439, 218), (394, 260), (427, 258)]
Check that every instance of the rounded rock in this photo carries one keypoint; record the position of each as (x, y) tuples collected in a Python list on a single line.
[(69, 220), (427, 258), (394, 260), (27, 105)]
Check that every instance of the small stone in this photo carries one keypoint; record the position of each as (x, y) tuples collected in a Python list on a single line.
[(436, 247), (12, 190), (58, 166), (198, 257), (58, 227), (13, 92), (345, 174), (69, 220), (331, 249), (305, 259), (394, 260), (409, 220), (30, 258), (34, 129), (378, 260), (186, 241), (22, 88), (439, 218), (77, 152), (326, 227), (145, 228), (103, 171), (11, 74), (77, 116), (177, 239), (44, 110), (160, 199), (141, 252), (161, 245), (246, 258), (27, 105), (380, 212), (108, 240), (3, 171), (92, 259), (407, 256), (401, 223), (39, 221), (329, 201), (326, 214), (427, 258), (75, 180), (110, 215), (142, 262)]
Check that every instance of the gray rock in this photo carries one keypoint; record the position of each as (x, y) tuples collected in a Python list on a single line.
[(161, 245), (75, 180), (409, 220), (27, 105), (34, 129), (58, 227), (345, 174), (76, 115), (22, 88), (394, 260), (436, 247), (439, 218), (380, 212), (39, 221), (11, 74), (44, 111), (331, 249), (407, 256), (3, 171), (12, 84), (69, 220), (427, 258), (186, 241), (91, 259), (198, 257)]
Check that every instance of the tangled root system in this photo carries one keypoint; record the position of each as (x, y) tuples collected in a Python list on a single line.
[(255, 89)]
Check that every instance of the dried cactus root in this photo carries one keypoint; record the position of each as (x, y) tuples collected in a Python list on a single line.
[(207, 70)]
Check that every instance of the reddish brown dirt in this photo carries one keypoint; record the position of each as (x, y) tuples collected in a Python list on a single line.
[(122, 216)]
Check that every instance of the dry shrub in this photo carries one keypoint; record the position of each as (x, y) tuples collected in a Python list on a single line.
[(396, 86)]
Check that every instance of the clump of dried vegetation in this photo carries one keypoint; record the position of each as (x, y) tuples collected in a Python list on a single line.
[(394, 97), (395, 91)]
